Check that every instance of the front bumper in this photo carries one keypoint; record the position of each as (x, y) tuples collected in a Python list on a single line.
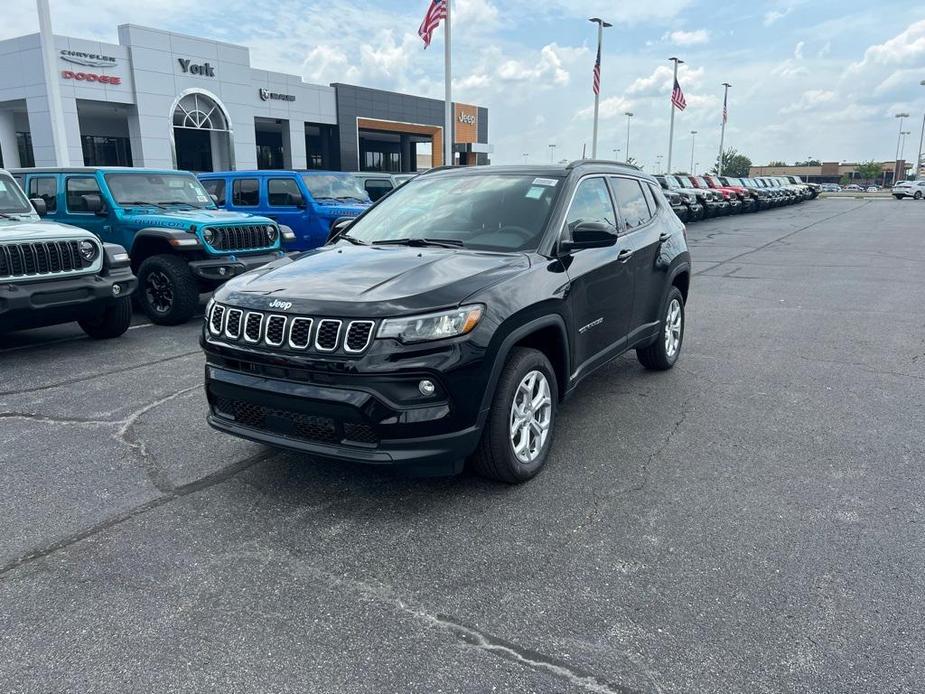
[(695, 210), (222, 268), (50, 300)]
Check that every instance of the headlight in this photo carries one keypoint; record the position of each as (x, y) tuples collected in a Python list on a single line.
[(271, 233), (88, 250), (208, 236), (432, 326)]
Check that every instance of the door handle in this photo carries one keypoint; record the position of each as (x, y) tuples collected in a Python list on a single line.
[(625, 255)]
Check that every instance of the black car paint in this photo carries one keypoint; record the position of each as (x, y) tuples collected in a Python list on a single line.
[(537, 298)]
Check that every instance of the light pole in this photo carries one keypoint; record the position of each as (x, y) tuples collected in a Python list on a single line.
[(616, 152), (658, 163), (601, 25), (552, 153), (628, 115), (902, 150), (693, 142), (898, 138), (918, 159), (722, 133), (525, 155), (676, 61)]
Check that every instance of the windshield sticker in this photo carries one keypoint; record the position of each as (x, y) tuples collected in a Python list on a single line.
[(201, 198), (545, 182), (535, 192), (2, 187)]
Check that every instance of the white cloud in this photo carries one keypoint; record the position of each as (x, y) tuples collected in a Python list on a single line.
[(689, 38), (611, 107), (481, 13), (551, 66), (660, 81), (772, 16), (809, 100), (906, 48), (798, 50), (825, 50)]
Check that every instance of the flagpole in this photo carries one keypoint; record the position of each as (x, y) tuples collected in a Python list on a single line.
[(597, 92), (722, 134), (448, 96), (676, 61)]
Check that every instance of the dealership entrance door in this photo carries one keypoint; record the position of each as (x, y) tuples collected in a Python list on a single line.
[(201, 134)]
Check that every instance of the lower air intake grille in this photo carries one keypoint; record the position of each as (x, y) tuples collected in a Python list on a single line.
[(284, 422)]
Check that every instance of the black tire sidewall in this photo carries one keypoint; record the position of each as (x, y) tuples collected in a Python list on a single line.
[(183, 284), (112, 322)]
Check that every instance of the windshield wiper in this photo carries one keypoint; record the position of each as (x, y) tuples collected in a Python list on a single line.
[(176, 202), (441, 243), (352, 239), (15, 216), (350, 197), (139, 203)]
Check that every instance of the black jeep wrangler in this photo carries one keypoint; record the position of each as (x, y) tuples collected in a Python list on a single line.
[(451, 318)]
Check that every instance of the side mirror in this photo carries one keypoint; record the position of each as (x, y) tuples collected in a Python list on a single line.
[(339, 227), (93, 202), (41, 209), (589, 235)]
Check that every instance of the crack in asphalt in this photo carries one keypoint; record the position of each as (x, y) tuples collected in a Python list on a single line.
[(99, 374)]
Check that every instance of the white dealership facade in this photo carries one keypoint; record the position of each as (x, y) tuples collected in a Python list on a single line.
[(166, 100)]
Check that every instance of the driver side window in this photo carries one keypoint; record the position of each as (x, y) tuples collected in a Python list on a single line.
[(591, 203)]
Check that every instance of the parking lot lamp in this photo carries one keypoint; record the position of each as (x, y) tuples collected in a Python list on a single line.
[(628, 115), (552, 153), (693, 143), (918, 159)]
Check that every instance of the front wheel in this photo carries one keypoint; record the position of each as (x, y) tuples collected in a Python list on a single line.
[(918, 195), (663, 353), (112, 322), (519, 429), (167, 290), (898, 197)]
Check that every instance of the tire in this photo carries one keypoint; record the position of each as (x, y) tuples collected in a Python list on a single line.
[(112, 322), (918, 195), (495, 457), (167, 291), (662, 354), (898, 197)]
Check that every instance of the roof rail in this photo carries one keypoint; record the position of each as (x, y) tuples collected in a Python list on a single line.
[(578, 162)]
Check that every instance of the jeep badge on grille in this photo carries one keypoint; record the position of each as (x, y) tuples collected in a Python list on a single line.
[(281, 305)]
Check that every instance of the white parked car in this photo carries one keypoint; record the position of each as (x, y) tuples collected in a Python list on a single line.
[(873, 189), (909, 189)]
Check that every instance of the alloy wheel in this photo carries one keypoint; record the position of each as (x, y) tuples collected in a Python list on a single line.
[(673, 320), (158, 291), (531, 416)]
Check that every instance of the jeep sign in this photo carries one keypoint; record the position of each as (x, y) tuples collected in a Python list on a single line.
[(466, 118), (203, 70)]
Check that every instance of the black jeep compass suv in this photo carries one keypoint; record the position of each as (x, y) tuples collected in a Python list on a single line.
[(450, 319)]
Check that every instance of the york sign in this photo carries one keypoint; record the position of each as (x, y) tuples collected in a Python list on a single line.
[(202, 69)]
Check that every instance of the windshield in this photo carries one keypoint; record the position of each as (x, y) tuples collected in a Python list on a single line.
[(335, 186), (12, 200), (700, 181), (158, 189), (673, 182), (490, 212), (796, 179)]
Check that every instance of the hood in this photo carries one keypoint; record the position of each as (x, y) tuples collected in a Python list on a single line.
[(372, 281), (41, 231), (152, 216), (332, 209)]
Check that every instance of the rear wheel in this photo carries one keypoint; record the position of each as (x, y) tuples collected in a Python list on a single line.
[(112, 322), (663, 353), (898, 197), (167, 291), (519, 431), (918, 195)]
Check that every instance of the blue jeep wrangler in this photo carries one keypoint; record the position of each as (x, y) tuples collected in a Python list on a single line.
[(180, 244), (309, 202)]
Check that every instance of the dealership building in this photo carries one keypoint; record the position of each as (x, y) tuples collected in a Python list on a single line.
[(160, 99)]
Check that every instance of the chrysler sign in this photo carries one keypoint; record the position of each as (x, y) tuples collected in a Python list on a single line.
[(87, 59)]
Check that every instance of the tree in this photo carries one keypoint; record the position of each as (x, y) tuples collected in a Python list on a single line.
[(734, 164), (868, 170), (844, 180), (809, 162), (777, 163)]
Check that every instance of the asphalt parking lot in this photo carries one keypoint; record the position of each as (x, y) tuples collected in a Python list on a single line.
[(750, 521)]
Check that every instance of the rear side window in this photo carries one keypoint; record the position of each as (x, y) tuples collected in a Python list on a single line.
[(591, 204), (631, 201), (283, 192), (245, 192), (377, 187), (651, 198), (76, 190), (45, 187), (216, 187)]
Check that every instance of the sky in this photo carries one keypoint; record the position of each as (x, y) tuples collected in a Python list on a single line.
[(815, 79)]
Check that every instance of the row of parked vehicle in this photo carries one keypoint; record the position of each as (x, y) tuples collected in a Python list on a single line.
[(700, 197)]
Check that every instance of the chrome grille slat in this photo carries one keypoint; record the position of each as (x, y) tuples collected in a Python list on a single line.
[(40, 258), (253, 327), (327, 335), (241, 237), (276, 326), (217, 319), (233, 323), (297, 326), (359, 334)]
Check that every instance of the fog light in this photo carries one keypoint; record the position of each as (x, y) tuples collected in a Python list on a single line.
[(116, 290), (427, 387), (223, 271)]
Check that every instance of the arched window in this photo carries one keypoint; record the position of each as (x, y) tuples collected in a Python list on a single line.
[(199, 112)]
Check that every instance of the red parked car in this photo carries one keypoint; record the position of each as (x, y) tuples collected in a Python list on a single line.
[(729, 195), (749, 201)]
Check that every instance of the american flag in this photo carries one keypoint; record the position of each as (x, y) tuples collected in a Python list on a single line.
[(677, 97), (597, 73), (725, 114), (435, 13)]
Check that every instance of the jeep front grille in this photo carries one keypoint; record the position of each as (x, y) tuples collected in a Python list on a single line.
[(294, 333), (241, 238), (40, 258)]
